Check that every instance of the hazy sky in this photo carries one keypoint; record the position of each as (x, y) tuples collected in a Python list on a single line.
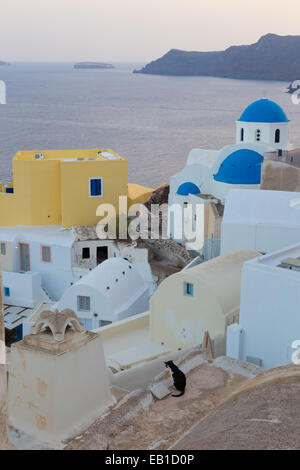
[(135, 30)]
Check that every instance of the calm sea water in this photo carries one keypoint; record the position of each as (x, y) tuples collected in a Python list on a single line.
[(153, 121)]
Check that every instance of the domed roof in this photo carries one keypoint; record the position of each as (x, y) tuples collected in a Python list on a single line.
[(188, 188), (241, 167), (264, 111)]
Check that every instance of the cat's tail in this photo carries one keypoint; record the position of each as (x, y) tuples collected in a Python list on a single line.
[(180, 395)]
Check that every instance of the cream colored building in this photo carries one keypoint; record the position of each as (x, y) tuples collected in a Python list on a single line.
[(186, 305), (203, 298), (57, 381)]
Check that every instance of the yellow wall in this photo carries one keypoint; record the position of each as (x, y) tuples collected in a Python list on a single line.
[(37, 184), (78, 208), (55, 190)]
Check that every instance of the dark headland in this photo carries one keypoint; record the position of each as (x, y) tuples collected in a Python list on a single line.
[(3, 63), (273, 57), (93, 65)]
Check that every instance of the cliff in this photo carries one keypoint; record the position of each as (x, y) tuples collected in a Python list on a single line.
[(273, 57)]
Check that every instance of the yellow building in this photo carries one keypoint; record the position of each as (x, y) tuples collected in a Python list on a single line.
[(62, 187)]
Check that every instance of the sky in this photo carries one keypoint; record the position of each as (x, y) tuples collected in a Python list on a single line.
[(135, 30)]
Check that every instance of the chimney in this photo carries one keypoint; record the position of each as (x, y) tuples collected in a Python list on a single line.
[(58, 378)]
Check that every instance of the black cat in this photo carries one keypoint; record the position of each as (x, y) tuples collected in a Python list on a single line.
[(178, 377)]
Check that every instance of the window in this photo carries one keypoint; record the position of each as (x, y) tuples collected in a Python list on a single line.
[(188, 289), (242, 135), (277, 136), (3, 249), (24, 257), (85, 253), (87, 323), (104, 323), (46, 254), (96, 187), (102, 254), (7, 291), (258, 135), (83, 303)]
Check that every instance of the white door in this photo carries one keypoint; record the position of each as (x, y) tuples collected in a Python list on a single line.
[(24, 257)]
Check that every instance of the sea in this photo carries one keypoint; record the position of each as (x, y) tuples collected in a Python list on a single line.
[(153, 121)]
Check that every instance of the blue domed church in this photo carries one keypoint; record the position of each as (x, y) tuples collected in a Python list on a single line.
[(262, 127)]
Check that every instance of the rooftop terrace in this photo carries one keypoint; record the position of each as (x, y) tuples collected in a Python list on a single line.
[(69, 155), (288, 258)]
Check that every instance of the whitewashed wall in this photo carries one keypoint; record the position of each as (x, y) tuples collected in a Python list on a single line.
[(25, 289), (260, 220), (267, 133), (269, 315)]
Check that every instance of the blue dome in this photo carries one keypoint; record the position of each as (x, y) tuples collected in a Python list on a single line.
[(188, 188), (241, 167), (264, 111)]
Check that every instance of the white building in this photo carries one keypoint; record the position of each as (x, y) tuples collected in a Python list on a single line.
[(111, 292), (269, 314), (42, 263), (43, 250), (62, 256), (263, 127), (264, 221)]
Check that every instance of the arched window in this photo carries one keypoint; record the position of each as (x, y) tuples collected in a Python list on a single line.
[(257, 134), (242, 134), (277, 136)]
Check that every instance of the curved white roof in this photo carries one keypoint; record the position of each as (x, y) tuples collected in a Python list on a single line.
[(117, 280), (222, 276)]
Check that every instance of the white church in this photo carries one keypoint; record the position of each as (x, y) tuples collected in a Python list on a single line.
[(262, 127)]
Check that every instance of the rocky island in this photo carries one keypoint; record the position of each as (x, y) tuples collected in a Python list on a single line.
[(3, 63), (93, 65), (273, 57)]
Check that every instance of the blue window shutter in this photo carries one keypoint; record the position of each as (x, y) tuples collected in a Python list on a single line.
[(97, 184), (189, 289), (92, 183), (7, 291), (96, 187)]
